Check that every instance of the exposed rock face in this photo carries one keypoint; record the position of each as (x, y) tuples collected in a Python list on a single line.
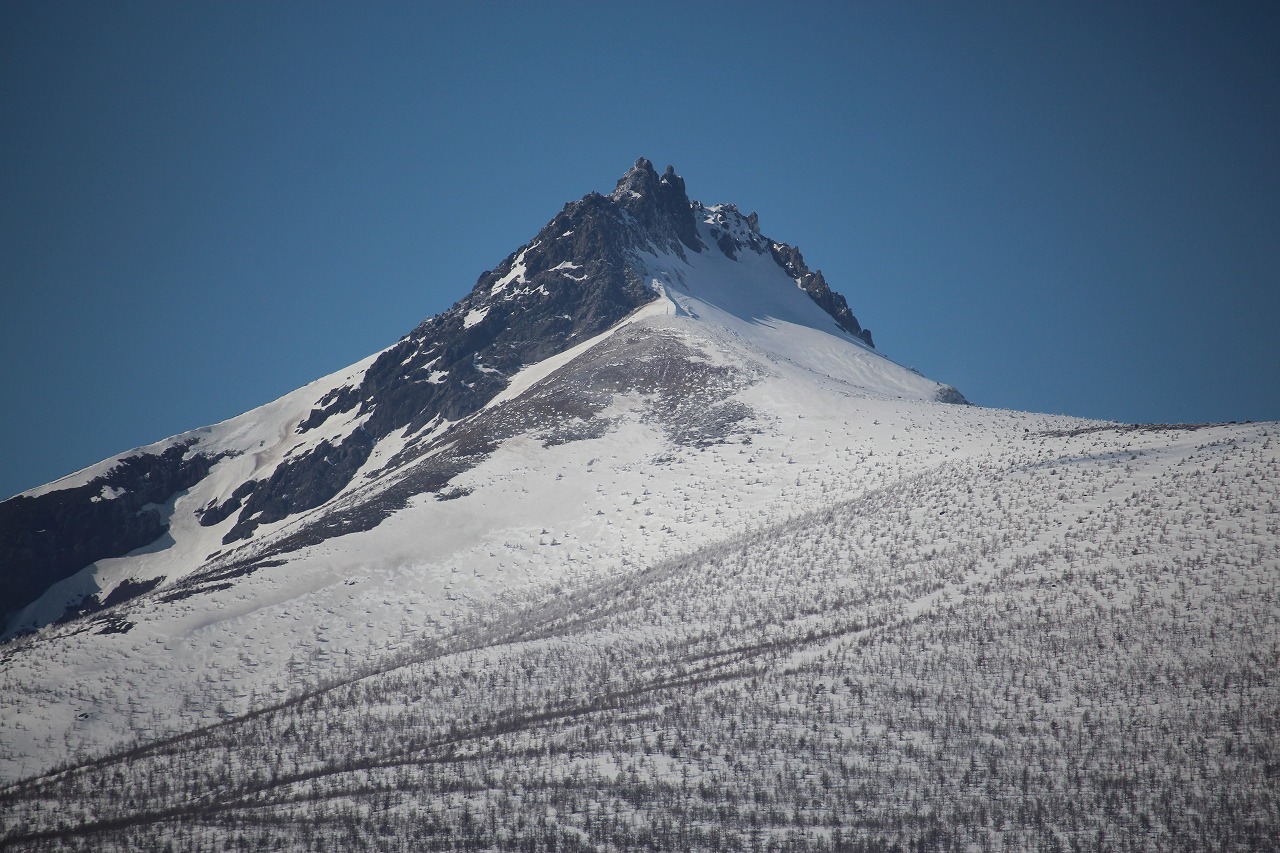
[(48, 538), (659, 205), (790, 259)]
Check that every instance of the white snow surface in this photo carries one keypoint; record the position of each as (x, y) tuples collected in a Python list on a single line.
[(754, 301), (834, 420)]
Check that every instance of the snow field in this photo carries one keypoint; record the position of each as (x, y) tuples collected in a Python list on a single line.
[(970, 645)]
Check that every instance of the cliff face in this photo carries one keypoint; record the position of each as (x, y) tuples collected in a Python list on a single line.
[(51, 536)]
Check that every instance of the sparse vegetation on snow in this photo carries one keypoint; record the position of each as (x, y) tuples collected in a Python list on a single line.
[(718, 577)]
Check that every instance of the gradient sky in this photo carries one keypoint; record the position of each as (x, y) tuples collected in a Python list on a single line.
[(1064, 207)]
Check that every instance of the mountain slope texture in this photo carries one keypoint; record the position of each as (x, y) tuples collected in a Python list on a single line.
[(644, 545)]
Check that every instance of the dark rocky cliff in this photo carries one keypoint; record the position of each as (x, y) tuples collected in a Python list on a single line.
[(49, 537)]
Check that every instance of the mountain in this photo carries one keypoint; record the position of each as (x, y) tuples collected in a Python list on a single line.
[(642, 543), (593, 266)]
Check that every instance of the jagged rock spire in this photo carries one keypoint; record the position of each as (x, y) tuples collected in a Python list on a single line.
[(815, 284), (659, 204), (639, 180)]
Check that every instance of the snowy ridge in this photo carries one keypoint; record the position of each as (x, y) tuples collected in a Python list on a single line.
[(240, 434), (750, 297)]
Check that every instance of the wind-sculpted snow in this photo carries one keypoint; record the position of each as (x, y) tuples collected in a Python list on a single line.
[(1067, 644)]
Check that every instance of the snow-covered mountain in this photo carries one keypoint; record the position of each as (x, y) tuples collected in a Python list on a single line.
[(342, 453), (643, 543)]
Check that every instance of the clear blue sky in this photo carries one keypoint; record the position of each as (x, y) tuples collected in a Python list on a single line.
[(1063, 207)]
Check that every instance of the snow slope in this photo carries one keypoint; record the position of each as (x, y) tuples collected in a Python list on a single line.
[(897, 592), (751, 299), (719, 555), (627, 498)]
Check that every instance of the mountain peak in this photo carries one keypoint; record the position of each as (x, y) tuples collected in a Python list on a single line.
[(659, 204), (640, 179)]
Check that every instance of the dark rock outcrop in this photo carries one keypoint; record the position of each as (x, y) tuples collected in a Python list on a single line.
[(126, 590), (814, 284), (49, 537), (215, 512), (660, 206), (949, 394)]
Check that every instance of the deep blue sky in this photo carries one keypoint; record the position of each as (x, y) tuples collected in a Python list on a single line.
[(1061, 207)]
